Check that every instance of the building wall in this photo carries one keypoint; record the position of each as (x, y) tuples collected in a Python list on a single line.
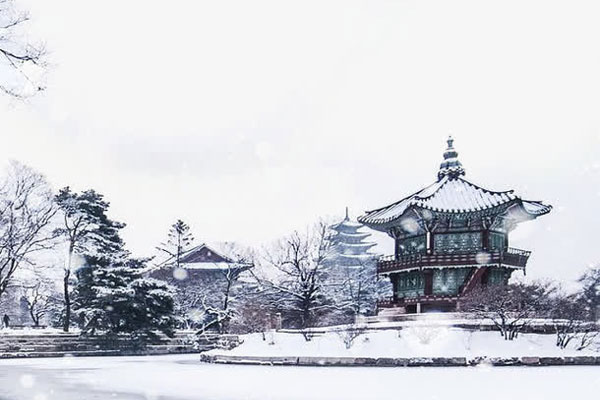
[(448, 281), (409, 284)]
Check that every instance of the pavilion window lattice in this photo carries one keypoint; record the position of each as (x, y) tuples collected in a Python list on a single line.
[(450, 243)]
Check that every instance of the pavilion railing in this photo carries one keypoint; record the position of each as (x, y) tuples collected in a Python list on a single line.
[(512, 257), (391, 302)]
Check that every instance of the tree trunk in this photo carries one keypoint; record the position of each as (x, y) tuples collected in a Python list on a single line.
[(67, 321)]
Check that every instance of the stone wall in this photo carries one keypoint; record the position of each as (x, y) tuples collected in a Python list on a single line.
[(400, 362), (59, 345)]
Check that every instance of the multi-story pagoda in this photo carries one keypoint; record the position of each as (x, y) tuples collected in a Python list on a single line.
[(450, 237), (351, 268), (350, 247)]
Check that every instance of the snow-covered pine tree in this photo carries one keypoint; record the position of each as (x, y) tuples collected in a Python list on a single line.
[(111, 295), (116, 298), (149, 307), (590, 281), (84, 227), (352, 271), (98, 283)]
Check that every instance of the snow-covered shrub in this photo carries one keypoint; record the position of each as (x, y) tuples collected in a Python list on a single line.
[(351, 333), (425, 335)]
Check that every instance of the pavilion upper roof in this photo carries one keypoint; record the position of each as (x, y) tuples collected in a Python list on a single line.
[(452, 194)]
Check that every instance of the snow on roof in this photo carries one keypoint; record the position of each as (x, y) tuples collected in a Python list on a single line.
[(203, 257), (355, 236), (217, 266), (451, 194), (536, 207)]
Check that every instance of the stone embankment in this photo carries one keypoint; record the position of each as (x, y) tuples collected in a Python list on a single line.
[(399, 362), (65, 344)]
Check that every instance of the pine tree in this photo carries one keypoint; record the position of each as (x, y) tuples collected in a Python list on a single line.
[(178, 242), (590, 281), (111, 295), (125, 302), (104, 256), (87, 230)]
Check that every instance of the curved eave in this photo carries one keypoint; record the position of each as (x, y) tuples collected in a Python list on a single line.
[(526, 210), (478, 197), (536, 208), (384, 224)]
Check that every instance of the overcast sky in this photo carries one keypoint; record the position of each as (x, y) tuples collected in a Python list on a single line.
[(252, 118)]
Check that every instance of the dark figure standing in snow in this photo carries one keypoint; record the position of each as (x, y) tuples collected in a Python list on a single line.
[(6, 320)]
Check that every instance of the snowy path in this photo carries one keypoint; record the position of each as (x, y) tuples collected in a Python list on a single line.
[(181, 377)]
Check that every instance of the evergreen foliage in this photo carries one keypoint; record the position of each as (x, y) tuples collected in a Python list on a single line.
[(88, 232), (178, 242), (111, 295), (591, 291)]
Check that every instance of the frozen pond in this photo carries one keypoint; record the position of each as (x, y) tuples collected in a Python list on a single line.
[(183, 377)]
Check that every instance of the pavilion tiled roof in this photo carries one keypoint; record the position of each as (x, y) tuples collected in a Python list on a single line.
[(452, 194)]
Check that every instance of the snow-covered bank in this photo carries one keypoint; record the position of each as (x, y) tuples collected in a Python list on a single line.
[(409, 342)]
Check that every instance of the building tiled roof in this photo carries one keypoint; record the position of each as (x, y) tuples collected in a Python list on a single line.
[(203, 257)]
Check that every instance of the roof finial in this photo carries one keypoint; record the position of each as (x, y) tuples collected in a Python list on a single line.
[(347, 218), (450, 167)]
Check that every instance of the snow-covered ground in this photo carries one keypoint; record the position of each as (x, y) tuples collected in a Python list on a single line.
[(182, 377), (34, 331), (416, 341)]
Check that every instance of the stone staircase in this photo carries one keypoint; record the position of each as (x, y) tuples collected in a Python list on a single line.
[(15, 345)]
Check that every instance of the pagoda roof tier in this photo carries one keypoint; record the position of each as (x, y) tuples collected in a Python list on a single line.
[(349, 228), (341, 235), (365, 245), (354, 248), (453, 194), (354, 259)]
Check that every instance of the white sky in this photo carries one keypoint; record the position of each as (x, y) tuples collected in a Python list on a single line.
[(250, 119)]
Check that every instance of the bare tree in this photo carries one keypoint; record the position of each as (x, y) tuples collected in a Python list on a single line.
[(40, 297), (224, 295), (298, 279), (352, 289), (23, 62), (511, 308), (26, 212), (573, 321)]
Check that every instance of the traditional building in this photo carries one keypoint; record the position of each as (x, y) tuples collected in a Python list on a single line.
[(195, 266), (205, 280), (450, 237)]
